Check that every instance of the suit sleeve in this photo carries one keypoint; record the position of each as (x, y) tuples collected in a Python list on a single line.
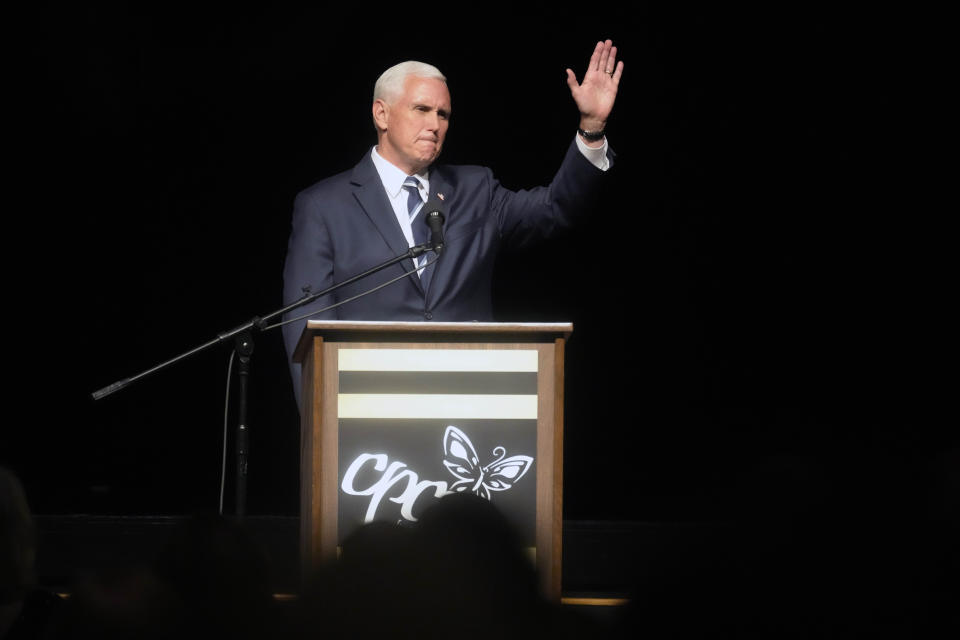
[(308, 268), (527, 216)]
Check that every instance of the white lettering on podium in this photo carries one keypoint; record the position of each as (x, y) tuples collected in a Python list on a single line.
[(459, 458), (392, 475)]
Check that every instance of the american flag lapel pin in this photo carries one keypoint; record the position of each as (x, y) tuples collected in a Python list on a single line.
[(440, 195)]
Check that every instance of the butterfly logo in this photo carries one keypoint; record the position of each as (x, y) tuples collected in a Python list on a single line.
[(461, 460)]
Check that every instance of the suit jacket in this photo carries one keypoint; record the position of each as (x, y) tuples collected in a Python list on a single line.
[(344, 225)]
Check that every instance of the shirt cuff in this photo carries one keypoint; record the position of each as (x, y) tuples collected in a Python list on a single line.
[(597, 156)]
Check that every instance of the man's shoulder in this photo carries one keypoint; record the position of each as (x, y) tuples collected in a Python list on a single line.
[(324, 197), (324, 187), (462, 172), (341, 182)]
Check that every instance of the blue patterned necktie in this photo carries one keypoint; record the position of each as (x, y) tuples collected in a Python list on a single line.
[(420, 231)]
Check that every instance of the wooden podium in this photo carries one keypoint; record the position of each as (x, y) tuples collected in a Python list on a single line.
[(396, 414)]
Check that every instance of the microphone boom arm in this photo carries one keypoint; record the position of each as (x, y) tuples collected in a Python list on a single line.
[(259, 323)]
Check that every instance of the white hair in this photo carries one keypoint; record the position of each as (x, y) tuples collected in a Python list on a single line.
[(389, 85)]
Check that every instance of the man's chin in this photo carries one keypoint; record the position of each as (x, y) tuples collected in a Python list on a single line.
[(426, 159)]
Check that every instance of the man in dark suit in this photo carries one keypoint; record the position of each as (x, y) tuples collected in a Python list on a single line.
[(346, 224)]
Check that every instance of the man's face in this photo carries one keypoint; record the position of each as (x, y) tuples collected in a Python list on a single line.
[(412, 127)]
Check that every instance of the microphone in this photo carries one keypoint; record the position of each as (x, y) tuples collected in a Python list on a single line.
[(434, 218)]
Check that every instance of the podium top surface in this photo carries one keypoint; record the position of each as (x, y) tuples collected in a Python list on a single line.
[(380, 331)]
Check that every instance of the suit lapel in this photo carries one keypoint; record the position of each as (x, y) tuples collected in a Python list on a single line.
[(368, 190)]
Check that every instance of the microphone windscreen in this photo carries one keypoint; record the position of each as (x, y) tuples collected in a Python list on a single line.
[(434, 205)]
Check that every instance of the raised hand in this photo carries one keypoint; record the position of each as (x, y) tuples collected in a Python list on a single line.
[(598, 91)]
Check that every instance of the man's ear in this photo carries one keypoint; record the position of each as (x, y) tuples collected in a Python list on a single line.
[(381, 114)]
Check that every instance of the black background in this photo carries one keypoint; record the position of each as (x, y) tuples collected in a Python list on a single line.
[(738, 327)]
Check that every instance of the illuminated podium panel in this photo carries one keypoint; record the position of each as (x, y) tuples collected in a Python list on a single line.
[(398, 414)]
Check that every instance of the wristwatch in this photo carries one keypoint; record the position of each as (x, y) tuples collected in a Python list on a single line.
[(592, 136)]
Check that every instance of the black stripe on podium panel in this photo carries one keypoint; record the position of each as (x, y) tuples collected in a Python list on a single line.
[(439, 382)]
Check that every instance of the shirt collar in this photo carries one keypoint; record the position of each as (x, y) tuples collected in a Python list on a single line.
[(392, 177)]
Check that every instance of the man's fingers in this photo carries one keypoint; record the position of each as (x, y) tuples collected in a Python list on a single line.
[(611, 62), (594, 63), (617, 73), (604, 56), (603, 60)]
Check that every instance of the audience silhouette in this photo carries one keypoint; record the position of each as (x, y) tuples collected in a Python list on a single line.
[(810, 552), (25, 609)]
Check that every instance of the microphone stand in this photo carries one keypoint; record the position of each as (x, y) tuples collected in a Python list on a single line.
[(242, 337)]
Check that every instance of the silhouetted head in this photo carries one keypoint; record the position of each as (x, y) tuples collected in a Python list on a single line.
[(17, 540)]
